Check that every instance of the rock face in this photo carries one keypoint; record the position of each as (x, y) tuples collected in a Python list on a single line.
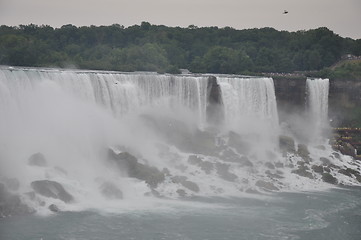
[(37, 159), (215, 110), (51, 189), (290, 94), (10, 204), (127, 162)]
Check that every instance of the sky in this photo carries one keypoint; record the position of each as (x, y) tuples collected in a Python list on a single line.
[(341, 16)]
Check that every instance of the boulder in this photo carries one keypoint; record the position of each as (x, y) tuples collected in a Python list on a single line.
[(111, 191), (223, 172), (273, 175), (52, 189), (303, 171), (127, 162), (185, 183), (181, 192), (37, 159), (317, 168), (268, 186), (347, 149), (303, 152), (206, 166), (327, 177), (53, 208), (349, 172)]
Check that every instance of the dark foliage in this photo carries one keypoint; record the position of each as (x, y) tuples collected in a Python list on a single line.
[(166, 49)]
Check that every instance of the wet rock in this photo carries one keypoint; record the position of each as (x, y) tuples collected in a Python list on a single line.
[(229, 155), (181, 192), (336, 155), (127, 162), (52, 189), (37, 159), (303, 152), (286, 144), (252, 191), (53, 208), (215, 109), (273, 175), (344, 172), (190, 185), (206, 166), (111, 191), (268, 186), (326, 177), (185, 183), (348, 172), (325, 161), (317, 168), (303, 172), (223, 172), (358, 177), (347, 149)]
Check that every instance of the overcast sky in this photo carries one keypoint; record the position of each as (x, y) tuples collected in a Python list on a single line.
[(341, 16)]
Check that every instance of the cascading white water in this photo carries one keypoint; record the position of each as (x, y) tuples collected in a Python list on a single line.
[(74, 117), (251, 108), (249, 98), (317, 90)]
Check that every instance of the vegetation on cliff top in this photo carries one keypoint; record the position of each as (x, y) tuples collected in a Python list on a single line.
[(159, 48)]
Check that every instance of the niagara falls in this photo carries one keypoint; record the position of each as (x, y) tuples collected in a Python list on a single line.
[(180, 120)]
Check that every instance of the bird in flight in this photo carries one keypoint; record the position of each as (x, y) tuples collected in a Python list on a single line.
[(285, 12)]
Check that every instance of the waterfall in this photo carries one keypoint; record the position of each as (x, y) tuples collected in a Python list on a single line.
[(107, 135), (317, 92), (120, 93), (250, 107)]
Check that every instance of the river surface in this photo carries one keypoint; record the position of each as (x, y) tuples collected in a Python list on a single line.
[(333, 214)]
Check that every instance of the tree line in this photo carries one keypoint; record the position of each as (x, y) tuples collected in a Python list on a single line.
[(148, 47)]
